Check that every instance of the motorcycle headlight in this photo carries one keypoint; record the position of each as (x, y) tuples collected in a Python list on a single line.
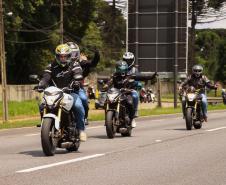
[(112, 97), (50, 100), (191, 96)]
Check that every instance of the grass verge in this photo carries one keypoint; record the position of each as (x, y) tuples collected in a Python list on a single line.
[(100, 115)]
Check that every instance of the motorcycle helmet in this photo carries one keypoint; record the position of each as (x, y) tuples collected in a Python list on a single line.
[(223, 90), (63, 54), (75, 51), (121, 67), (197, 70), (129, 58)]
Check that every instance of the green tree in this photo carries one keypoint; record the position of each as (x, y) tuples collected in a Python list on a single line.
[(221, 70), (207, 43)]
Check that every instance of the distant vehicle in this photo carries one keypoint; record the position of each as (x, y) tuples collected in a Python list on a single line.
[(143, 95), (100, 102), (91, 92), (223, 94), (150, 96)]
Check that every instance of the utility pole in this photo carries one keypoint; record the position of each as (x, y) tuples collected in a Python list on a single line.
[(62, 21), (176, 54), (62, 4), (3, 66)]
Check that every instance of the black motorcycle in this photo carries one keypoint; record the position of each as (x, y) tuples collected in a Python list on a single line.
[(119, 112), (194, 113), (223, 94)]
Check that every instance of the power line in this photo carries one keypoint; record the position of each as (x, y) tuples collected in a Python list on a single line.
[(27, 42)]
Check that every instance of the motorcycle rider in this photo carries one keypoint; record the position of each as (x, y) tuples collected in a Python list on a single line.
[(118, 78), (129, 58), (198, 81), (62, 72), (86, 66)]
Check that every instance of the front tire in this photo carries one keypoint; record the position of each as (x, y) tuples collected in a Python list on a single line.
[(110, 119), (189, 118), (47, 140)]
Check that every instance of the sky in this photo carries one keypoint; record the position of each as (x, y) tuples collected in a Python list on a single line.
[(213, 25)]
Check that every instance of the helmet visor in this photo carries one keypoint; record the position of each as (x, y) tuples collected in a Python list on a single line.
[(63, 59)]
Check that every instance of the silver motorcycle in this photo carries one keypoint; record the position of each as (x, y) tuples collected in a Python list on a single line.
[(58, 128)]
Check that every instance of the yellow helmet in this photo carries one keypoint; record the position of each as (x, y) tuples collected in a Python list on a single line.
[(63, 54)]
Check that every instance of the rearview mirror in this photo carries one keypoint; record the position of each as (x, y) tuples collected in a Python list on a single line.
[(33, 78)]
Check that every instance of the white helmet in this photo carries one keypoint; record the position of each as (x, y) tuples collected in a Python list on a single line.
[(129, 58), (223, 90), (75, 51)]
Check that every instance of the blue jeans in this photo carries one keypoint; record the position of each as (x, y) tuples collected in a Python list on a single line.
[(79, 111), (82, 95), (135, 99), (204, 104)]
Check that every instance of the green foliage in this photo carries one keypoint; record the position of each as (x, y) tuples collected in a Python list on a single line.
[(210, 52), (221, 70), (207, 43), (32, 33)]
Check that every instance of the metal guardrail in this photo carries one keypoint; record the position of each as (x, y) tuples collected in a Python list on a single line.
[(211, 100)]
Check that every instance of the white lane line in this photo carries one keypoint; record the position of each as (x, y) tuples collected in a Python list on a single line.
[(29, 135), (158, 141), (94, 127), (60, 163), (215, 129)]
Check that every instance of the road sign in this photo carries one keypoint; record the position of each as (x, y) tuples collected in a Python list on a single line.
[(158, 36)]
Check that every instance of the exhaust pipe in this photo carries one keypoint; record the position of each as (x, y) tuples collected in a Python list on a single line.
[(123, 130), (66, 145)]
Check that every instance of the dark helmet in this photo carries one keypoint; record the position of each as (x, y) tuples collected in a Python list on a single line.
[(197, 70), (63, 54), (121, 67), (129, 58), (75, 51)]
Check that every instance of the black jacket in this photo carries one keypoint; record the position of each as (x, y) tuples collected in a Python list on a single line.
[(119, 81), (197, 83), (61, 76), (64, 76), (87, 64)]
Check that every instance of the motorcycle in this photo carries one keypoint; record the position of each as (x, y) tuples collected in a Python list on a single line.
[(194, 113), (118, 112), (223, 94), (150, 96), (143, 95), (57, 126), (100, 102), (91, 92)]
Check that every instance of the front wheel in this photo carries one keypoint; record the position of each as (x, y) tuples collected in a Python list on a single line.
[(189, 118), (110, 119), (47, 139)]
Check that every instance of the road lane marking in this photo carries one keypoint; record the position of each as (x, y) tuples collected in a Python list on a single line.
[(29, 135), (215, 129), (94, 127), (158, 141), (60, 163)]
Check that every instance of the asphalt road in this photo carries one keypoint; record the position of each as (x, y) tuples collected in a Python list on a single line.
[(160, 152)]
